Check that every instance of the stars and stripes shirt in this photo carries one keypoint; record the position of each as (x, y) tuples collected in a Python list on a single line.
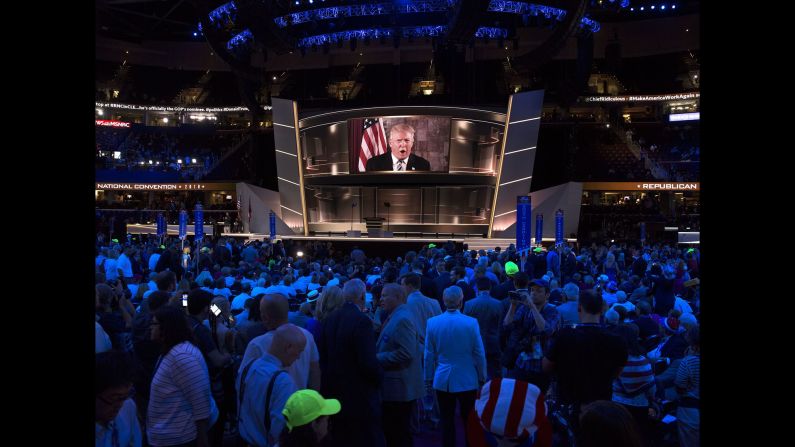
[(635, 383), (180, 396), (373, 141)]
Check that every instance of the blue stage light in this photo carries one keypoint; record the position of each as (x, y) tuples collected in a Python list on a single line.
[(662, 7)]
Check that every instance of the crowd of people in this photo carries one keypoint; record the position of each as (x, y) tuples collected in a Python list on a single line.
[(157, 150), (594, 345)]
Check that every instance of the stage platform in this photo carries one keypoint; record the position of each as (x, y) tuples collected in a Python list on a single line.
[(391, 247)]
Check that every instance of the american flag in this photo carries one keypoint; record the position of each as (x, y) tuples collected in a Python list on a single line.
[(373, 141)]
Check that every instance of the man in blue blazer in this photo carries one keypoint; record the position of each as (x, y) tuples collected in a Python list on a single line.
[(454, 360), (398, 352)]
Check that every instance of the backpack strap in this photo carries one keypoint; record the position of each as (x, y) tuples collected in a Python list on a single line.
[(243, 377), (271, 439)]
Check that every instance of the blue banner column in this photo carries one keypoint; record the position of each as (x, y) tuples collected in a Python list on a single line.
[(643, 233), (539, 228), (161, 226), (559, 227), (183, 224), (523, 222), (523, 228), (272, 224), (198, 230)]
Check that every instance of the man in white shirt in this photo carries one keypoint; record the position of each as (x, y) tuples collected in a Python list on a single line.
[(123, 263), (254, 382), (305, 371), (239, 301), (154, 257)]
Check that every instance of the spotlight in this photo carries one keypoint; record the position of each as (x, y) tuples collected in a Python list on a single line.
[(193, 160), (642, 8), (673, 6), (179, 161), (100, 112), (632, 9), (652, 6), (195, 34), (300, 253), (662, 7)]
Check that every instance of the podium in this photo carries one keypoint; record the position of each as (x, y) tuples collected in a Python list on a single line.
[(375, 227)]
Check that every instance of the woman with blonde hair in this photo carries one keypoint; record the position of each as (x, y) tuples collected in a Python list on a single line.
[(330, 300)]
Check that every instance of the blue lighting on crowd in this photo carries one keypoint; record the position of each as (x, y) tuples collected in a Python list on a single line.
[(624, 3), (239, 39)]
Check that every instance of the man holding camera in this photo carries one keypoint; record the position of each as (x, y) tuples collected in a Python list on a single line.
[(530, 322)]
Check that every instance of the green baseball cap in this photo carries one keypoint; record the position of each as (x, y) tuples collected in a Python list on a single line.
[(511, 268), (431, 245), (538, 249), (304, 406)]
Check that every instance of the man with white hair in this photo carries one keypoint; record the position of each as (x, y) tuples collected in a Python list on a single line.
[(455, 360), (568, 310)]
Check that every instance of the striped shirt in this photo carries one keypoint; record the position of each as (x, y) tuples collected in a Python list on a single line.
[(180, 396), (688, 376), (635, 383)]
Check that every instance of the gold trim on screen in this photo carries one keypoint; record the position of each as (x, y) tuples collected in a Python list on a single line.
[(499, 170), (300, 168)]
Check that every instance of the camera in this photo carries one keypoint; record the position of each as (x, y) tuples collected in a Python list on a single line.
[(215, 309), (185, 300), (515, 296)]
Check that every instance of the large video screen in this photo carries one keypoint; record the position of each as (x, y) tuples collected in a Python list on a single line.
[(399, 144)]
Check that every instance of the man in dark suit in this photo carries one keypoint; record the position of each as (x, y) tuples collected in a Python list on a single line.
[(638, 263), (399, 158), (442, 281), (350, 371), (458, 277)]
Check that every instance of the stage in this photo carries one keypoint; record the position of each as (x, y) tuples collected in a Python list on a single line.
[(389, 247)]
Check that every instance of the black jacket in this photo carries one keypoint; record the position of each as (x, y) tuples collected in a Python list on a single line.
[(351, 373), (383, 162)]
